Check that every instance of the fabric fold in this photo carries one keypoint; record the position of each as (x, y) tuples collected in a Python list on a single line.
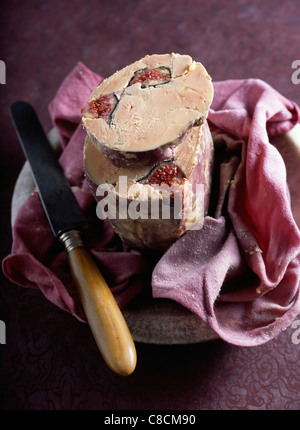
[(263, 244)]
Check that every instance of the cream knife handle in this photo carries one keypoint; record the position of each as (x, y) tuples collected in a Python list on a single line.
[(106, 321)]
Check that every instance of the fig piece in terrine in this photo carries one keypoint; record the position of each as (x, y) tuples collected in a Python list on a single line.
[(138, 114)]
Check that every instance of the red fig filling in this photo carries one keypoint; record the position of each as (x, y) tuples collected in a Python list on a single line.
[(167, 173), (151, 77), (101, 107)]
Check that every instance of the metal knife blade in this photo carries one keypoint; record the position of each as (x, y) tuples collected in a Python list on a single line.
[(58, 200), (106, 321)]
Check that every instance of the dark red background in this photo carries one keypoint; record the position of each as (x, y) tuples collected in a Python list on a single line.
[(50, 360)]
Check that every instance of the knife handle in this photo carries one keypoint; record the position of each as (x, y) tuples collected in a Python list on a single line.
[(106, 321)]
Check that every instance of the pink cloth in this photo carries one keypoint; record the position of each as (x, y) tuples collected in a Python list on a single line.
[(37, 259), (240, 273)]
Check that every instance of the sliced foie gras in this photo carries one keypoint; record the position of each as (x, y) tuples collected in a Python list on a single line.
[(152, 206), (137, 114)]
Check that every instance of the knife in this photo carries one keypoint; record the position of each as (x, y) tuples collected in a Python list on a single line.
[(67, 222)]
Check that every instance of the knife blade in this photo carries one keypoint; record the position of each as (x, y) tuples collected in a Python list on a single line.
[(67, 222)]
